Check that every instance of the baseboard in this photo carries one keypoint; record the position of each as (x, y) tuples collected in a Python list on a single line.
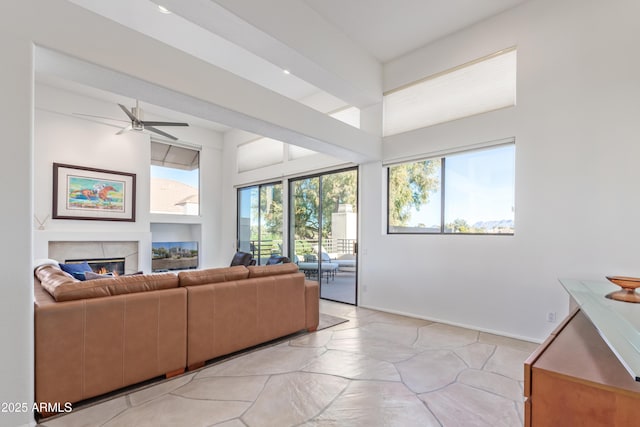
[(461, 325)]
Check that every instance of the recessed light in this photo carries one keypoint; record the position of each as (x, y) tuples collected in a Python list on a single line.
[(163, 9), (286, 71)]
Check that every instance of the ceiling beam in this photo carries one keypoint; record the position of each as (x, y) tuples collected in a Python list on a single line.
[(132, 64), (293, 36)]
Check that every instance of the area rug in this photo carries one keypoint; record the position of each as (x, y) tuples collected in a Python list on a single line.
[(327, 321)]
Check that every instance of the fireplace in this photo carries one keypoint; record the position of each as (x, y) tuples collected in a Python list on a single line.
[(102, 265), (125, 252)]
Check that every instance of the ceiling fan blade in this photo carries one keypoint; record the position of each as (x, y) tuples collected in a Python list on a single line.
[(124, 129), (146, 123), (128, 113), (100, 117), (159, 132)]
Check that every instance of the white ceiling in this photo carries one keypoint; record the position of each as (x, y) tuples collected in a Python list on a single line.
[(152, 112), (389, 29), (256, 40)]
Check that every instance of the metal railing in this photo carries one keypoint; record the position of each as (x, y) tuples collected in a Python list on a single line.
[(263, 249)]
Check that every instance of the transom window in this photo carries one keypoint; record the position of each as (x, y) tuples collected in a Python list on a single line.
[(483, 85)]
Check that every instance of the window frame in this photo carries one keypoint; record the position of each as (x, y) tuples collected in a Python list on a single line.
[(186, 146), (442, 157), (238, 199)]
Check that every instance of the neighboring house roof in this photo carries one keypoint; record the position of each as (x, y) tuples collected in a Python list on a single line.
[(170, 196), (190, 199)]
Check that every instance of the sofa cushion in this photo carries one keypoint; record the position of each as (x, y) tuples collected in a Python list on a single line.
[(62, 287), (272, 270), (213, 275)]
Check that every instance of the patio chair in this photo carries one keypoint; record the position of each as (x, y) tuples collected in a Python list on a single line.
[(277, 259), (243, 258)]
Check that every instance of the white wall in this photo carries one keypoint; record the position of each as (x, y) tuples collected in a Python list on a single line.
[(16, 312), (577, 202), (64, 138)]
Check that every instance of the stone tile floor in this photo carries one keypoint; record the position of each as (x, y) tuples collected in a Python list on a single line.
[(378, 369)]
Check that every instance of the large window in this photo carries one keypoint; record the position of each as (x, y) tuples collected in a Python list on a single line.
[(485, 84), (175, 177), (260, 221), (323, 231), (470, 192)]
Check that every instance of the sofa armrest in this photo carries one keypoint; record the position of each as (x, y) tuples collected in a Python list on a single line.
[(312, 304)]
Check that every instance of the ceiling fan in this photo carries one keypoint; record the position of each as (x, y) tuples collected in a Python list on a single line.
[(136, 116)]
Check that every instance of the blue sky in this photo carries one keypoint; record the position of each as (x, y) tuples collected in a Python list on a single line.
[(479, 187), (186, 177), (168, 245)]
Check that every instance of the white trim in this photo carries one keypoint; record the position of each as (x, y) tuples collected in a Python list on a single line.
[(278, 180), (451, 70), (449, 151), (182, 144)]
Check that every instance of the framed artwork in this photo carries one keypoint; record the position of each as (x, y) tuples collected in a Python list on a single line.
[(93, 194)]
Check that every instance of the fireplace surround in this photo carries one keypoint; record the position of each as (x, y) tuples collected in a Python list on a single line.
[(103, 265), (69, 251)]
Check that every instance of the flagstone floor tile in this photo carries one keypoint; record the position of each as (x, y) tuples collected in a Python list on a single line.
[(376, 348), (493, 383), (438, 335), (224, 388), (157, 390), (178, 411), (377, 369), (271, 360), (92, 415), (508, 362), (459, 405), (291, 399), (475, 355), (353, 366), (430, 370), (373, 403)]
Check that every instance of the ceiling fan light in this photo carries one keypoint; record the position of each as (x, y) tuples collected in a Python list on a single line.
[(164, 10)]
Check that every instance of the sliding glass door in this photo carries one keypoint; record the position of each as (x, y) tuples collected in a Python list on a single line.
[(323, 231), (260, 221)]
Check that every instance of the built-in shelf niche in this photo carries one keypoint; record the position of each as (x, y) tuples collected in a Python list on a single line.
[(176, 232)]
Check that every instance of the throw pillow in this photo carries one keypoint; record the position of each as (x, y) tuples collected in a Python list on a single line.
[(77, 270), (90, 275), (79, 275)]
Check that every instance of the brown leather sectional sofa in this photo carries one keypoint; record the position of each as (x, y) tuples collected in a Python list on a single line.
[(94, 337)]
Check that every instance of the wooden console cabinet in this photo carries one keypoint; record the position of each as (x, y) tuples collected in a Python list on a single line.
[(574, 379)]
